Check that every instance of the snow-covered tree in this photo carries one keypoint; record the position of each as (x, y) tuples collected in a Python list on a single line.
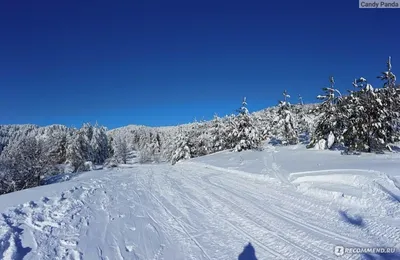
[(56, 146), (146, 154), (243, 109), (372, 116), (121, 150), (76, 153), (86, 132), (151, 152), (388, 76), (218, 134), (301, 100), (244, 135), (331, 120), (365, 120), (23, 164), (13, 133), (264, 122), (182, 147), (110, 148), (284, 122), (200, 139), (303, 119), (99, 144), (368, 126), (391, 94)]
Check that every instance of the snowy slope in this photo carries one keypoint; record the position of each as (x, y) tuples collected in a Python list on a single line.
[(289, 203)]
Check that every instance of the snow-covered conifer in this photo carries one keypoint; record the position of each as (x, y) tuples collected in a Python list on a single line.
[(151, 152), (24, 163), (243, 109), (200, 139), (86, 132), (121, 150), (56, 146), (284, 122), (301, 100), (110, 147), (76, 147), (244, 135), (372, 114), (99, 144), (388, 76), (331, 120), (182, 147), (218, 135)]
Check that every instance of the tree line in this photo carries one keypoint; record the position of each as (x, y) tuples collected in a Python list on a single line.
[(364, 120)]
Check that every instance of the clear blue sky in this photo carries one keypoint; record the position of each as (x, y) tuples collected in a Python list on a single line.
[(163, 62)]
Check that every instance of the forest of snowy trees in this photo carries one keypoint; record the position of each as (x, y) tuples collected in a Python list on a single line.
[(364, 120)]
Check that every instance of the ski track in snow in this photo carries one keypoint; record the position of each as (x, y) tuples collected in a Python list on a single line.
[(197, 211)]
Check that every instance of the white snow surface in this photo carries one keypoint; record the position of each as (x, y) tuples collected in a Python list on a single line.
[(288, 202)]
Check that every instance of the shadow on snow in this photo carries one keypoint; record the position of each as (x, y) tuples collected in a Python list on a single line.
[(354, 220), (389, 256), (12, 240), (249, 253)]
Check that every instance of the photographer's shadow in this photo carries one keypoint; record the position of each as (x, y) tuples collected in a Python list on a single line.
[(249, 253)]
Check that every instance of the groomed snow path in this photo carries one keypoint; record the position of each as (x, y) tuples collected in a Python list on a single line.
[(194, 210)]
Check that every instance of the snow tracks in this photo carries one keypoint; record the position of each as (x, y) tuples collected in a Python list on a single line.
[(199, 211), (49, 223)]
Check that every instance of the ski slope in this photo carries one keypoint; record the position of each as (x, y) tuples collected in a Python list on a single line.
[(288, 202)]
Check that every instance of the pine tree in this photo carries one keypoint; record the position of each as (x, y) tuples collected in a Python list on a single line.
[(218, 135), (363, 121), (151, 151), (182, 147), (372, 114), (244, 135), (200, 139), (23, 164), (284, 123), (391, 94), (301, 100), (121, 150), (76, 148), (56, 146), (86, 133), (110, 147), (99, 144), (388, 76), (330, 123)]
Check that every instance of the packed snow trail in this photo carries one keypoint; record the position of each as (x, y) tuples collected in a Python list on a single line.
[(195, 210)]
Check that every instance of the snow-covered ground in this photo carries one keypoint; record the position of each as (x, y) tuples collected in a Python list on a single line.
[(288, 202)]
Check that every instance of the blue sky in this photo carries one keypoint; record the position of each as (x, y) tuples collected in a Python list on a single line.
[(168, 62)]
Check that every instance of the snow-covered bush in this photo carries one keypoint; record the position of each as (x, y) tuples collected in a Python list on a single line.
[(88, 166), (111, 163)]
